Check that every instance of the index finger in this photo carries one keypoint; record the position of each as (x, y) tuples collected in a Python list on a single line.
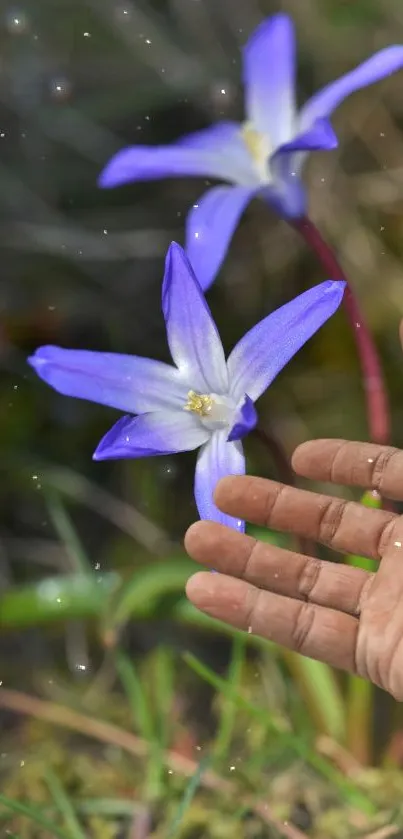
[(367, 465)]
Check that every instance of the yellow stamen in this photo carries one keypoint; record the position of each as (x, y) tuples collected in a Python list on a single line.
[(254, 140), (199, 403)]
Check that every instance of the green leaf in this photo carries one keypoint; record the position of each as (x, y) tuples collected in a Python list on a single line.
[(34, 814), (373, 500), (57, 598), (66, 532), (64, 805), (271, 537), (142, 594)]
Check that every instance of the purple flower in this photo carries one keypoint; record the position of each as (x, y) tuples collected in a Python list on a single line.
[(203, 400), (262, 156)]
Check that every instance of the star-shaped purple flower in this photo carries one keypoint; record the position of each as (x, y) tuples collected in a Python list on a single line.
[(263, 156), (203, 400)]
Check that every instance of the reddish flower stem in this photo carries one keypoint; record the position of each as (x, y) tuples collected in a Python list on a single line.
[(373, 382)]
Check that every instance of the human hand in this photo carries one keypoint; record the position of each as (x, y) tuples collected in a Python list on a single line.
[(336, 613)]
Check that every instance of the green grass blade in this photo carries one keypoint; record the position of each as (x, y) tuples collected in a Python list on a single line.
[(137, 698), (348, 790), (228, 713), (143, 719), (318, 685), (164, 692), (64, 806), (187, 798), (34, 814), (108, 807), (359, 710), (67, 532)]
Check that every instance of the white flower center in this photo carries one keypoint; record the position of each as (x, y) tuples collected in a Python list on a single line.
[(260, 149), (214, 410)]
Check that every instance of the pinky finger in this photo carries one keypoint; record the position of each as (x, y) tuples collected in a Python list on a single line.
[(311, 630)]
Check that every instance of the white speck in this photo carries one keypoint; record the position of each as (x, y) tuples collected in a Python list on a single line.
[(249, 630), (58, 600), (370, 460), (2, 133), (17, 22), (276, 576), (81, 666), (197, 235), (97, 566), (87, 34), (322, 180), (381, 133), (397, 544), (51, 308), (358, 325), (127, 439), (105, 231), (195, 206), (198, 748), (232, 769), (22, 762), (60, 87), (382, 228), (223, 90), (147, 118), (148, 41), (170, 772)]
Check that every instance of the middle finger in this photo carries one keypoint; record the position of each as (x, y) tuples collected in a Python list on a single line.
[(346, 526)]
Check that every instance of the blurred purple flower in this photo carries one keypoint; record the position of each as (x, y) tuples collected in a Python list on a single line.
[(263, 156), (202, 401)]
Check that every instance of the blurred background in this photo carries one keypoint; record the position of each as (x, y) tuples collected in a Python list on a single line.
[(124, 713)]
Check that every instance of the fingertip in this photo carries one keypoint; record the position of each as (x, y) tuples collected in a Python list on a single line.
[(228, 489), (200, 588), (223, 489), (301, 453), (193, 535), (199, 537), (311, 457)]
